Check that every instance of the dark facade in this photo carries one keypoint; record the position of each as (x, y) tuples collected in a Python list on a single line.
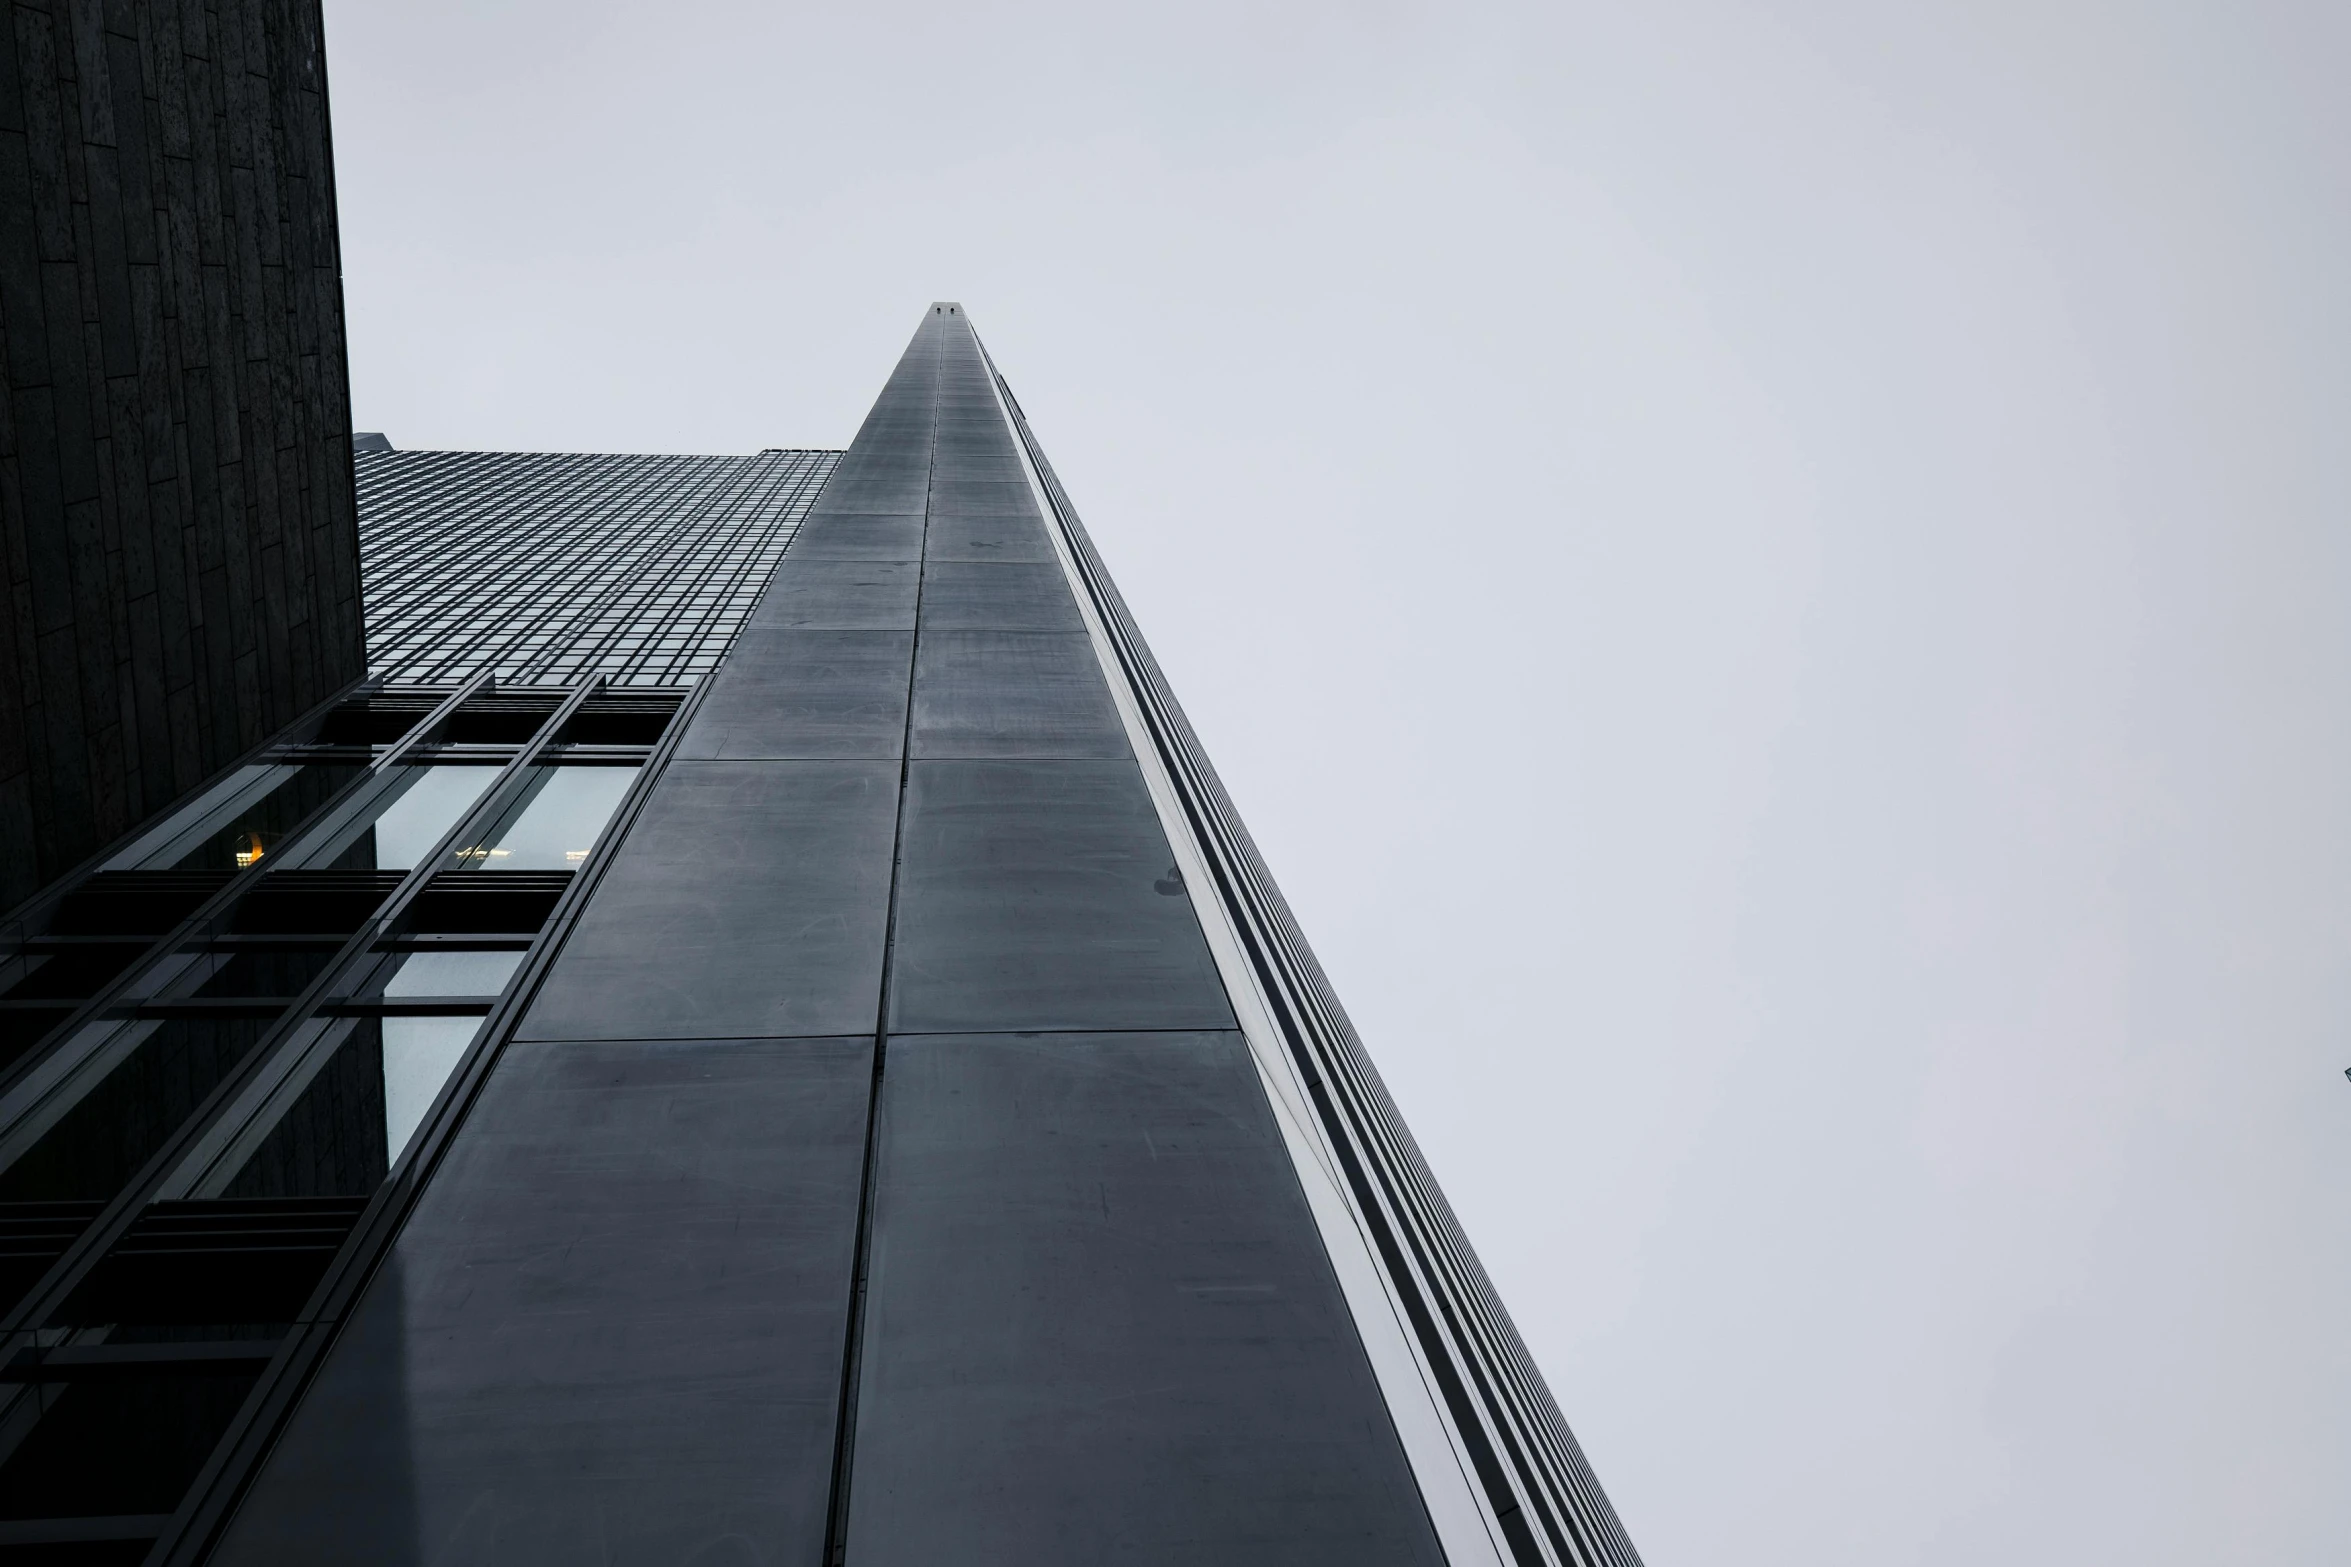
[(868, 1105), (175, 490)]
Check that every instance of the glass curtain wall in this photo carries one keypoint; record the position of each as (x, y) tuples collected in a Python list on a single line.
[(639, 569), (222, 1040)]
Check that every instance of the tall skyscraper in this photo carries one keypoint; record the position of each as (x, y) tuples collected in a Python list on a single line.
[(754, 1036)]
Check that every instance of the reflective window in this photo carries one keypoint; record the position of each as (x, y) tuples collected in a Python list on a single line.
[(333, 1113), (323, 1132), (271, 972), (71, 974), (555, 822), (453, 974), (400, 827), (241, 821), (149, 1076), (419, 1055)]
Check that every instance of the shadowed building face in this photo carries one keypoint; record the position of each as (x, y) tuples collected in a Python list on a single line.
[(182, 561)]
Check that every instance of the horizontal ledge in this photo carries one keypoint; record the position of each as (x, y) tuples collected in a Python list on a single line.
[(99, 1362), (76, 1531), (417, 1006)]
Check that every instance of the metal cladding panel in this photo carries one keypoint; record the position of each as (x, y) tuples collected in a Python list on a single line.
[(842, 595), (997, 596), (973, 536), (1011, 693), (877, 494), (1101, 1325), (610, 1332), (983, 497), (1041, 895), (799, 694), (860, 536), (749, 899)]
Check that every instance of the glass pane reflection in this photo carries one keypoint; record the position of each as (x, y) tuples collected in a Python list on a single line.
[(355, 1113), (556, 823), (401, 826), (419, 1055), (278, 972), (343, 1099), (454, 974), (245, 836), (156, 1073), (329, 1142), (241, 821)]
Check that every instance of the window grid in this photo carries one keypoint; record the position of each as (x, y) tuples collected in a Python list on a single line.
[(545, 568)]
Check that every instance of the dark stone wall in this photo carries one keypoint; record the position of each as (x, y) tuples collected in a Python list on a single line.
[(182, 548)]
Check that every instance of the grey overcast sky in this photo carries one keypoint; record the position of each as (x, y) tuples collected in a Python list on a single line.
[(1772, 580)]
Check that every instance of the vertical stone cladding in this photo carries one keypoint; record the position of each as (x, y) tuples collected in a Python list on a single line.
[(181, 549)]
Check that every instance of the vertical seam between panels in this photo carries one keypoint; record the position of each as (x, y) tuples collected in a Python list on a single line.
[(836, 1545)]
